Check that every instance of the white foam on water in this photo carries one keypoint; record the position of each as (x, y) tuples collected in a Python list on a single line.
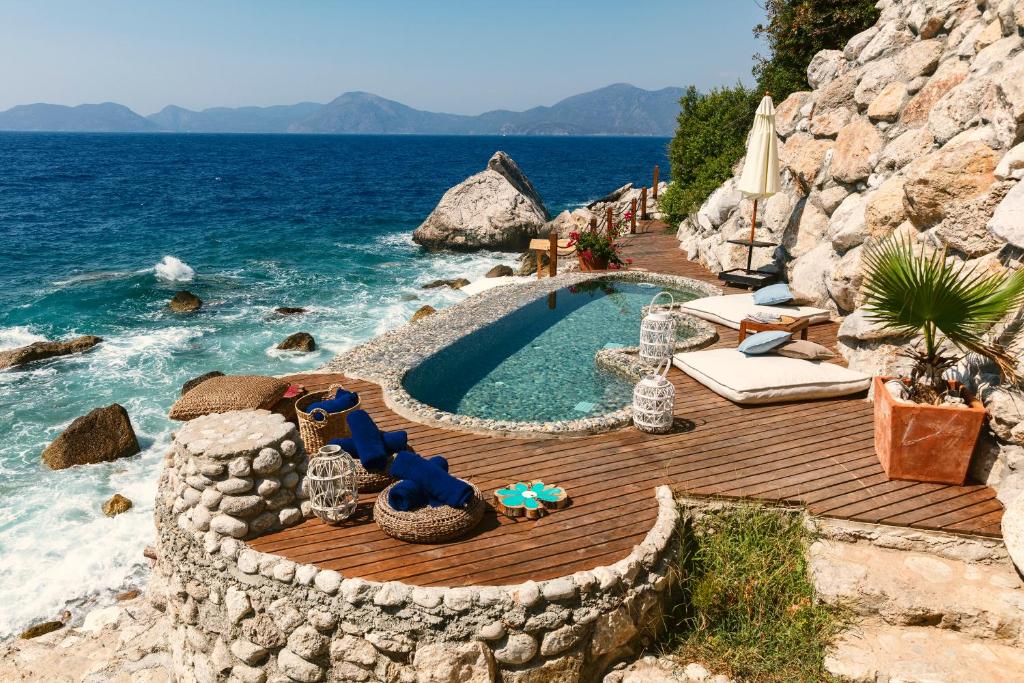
[(19, 335), (173, 269)]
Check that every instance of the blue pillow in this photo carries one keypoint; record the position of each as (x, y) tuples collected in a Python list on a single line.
[(773, 295), (763, 342)]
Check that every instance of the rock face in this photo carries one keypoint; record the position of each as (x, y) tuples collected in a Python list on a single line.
[(116, 504), (103, 435), (497, 208), (300, 341), (185, 302), (42, 350)]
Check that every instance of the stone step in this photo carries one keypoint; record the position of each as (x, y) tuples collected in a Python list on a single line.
[(911, 588), (875, 652)]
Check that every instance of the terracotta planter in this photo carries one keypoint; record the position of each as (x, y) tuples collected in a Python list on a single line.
[(923, 442), (592, 264)]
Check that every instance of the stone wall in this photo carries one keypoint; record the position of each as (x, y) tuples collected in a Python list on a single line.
[(242, 615)]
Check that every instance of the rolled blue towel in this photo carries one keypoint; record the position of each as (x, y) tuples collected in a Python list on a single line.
[(393, 442), (368, 441), (407, 495), (438, 484), (343, 400)]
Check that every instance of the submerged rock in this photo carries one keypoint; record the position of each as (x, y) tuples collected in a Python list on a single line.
[(422, 313), (103, 435), (44, 349), (289, 310), (456, 283), (497, 208), (185, 302), (500, 271), (116, 504), (300, 341), (196, 381)]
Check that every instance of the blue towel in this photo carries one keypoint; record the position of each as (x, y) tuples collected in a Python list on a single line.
[(343, 400), (438, 484), (407, 495), (393, 442), (368, 441)]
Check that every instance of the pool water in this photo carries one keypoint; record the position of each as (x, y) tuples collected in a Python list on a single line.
[(537, 363)]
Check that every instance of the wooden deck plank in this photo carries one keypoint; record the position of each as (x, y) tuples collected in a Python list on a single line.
[(819, 454)]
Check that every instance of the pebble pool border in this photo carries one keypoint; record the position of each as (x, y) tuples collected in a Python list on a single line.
[(386, 359)]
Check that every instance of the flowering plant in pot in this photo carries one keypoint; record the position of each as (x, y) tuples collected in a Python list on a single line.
[(926, 424), (596, 250)]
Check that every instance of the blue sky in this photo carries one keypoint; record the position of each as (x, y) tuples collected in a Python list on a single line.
[(461, 57)]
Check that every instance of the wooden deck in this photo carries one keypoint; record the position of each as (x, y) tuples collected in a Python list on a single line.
[(817, 454)]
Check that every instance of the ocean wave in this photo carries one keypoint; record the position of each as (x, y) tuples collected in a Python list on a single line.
[(19, 335), (173, 269), (96, 276)]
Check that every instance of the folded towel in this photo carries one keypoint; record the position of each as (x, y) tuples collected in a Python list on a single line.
[(438, 484), (393, 442), (343, 400), (407, 495), (368, 441)]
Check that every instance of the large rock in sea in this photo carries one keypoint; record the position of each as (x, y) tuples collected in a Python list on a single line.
[(300, 341), (103, 435), (185, 302), (42, 350), (497, 208)]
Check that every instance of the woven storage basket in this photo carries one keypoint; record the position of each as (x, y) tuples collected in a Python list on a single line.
[(428, 525), (315, 434), (371, 482)]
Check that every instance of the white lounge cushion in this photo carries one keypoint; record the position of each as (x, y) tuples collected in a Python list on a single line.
[(768, 378), (730, 309)]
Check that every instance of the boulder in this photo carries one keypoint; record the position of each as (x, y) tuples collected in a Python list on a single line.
[(952, 174), (920, 59), (810, 229), (1008, 220), (41, 629), (1011, 166), (913, 144), (422, 313), (968, 104), (457, 283), (300, 341), (825, 66), (809, 272), (963, 229), (115, 505), (500, 271), (1012, 526), (720, 205), (805, 157), (196, 381), (830, 123), (847, 226), (884, 210), (787, 114), (845, 281), (877, 76), (497, 208), (566, 222), (103, 435), (949, 75), (185, 302), (44, 349), (891, 37), (838, 93), (611, 197), (289, 310), (856, 144), (887, 104)]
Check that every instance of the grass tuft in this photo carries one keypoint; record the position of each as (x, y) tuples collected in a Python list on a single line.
[(746, 605)]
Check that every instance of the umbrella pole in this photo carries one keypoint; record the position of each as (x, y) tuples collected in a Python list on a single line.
[(750, 247)]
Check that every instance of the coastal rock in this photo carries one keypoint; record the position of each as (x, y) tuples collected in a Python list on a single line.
[(422, 313), (116, 504), (289, 310), (500, 271), (41, 629), (497, 208), (567, 222), (300, 341), (612, 197), (44, 349), (185, 302), (103, 435), (196, 381), (456, 283)]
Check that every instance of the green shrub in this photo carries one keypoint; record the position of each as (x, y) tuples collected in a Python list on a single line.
[(746, 605)]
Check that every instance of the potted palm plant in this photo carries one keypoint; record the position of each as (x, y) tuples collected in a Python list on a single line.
[(926, 424)]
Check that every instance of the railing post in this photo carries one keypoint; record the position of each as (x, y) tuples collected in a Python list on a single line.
[(540, 261), (552, 254), (643, 203), (593, 224), (632, 216), (654, 188), (611, 223)]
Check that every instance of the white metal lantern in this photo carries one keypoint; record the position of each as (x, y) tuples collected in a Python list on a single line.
[(333, 486), (658, 331), (654, 399)]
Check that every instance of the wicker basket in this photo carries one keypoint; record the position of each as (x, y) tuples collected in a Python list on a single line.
[(428, 525), (371, 482), (315, 434)]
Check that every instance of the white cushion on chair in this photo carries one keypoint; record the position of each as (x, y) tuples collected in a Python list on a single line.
[(730, 309), (768, 378)]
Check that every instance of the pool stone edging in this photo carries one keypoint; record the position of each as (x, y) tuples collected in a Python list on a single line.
[(386, 359), (243, 615)]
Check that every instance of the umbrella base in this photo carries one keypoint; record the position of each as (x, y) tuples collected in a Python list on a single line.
[(748, 278)]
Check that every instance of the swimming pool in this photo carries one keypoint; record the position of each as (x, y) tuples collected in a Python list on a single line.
[(536, 364)]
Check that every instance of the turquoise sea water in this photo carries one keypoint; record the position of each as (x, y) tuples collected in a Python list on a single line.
[(251, 223), (537, 363)]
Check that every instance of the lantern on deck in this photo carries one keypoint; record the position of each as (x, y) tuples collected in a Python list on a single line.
[(658, 331), (654, 399), (333, 485)]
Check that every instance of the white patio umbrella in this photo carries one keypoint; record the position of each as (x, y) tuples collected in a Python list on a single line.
[(760, 177)]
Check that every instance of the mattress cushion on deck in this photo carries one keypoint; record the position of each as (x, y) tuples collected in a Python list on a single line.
[(730, 309), (768, 378)]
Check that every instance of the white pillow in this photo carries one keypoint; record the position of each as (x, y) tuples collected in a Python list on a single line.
[(768, 378)]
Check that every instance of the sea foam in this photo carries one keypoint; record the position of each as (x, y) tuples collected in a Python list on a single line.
[(173, 269), (14, 337)]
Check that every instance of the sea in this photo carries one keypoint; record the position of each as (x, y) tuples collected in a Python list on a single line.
[(97, 233)]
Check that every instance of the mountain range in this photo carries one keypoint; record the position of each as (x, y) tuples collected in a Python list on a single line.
[(619, 109)]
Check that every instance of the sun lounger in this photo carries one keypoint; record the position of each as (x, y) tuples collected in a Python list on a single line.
[(768, 378), (730, 309)]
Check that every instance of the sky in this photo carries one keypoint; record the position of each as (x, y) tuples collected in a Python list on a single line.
[(462, 57)]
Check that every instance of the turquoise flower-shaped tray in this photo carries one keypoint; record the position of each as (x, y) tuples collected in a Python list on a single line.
[(530, 499)]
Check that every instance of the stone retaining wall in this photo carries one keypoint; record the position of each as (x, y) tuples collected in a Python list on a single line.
[(242, 615)]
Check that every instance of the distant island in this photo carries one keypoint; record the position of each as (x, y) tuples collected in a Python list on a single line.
[(619, 109)]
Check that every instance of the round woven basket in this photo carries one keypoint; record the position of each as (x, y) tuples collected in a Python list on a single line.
[(371, 482), (316, 433), (428, 525)]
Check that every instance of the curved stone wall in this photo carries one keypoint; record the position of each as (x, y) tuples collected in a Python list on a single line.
[(248, 616)]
